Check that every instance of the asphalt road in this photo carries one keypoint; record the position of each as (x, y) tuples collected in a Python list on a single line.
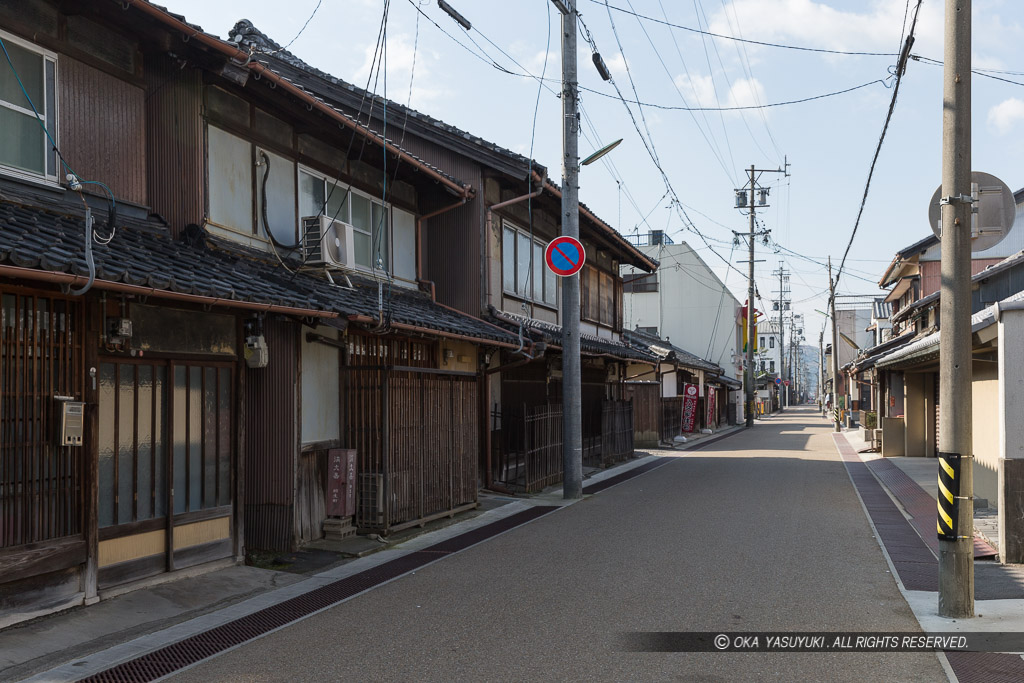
[(760, 531)]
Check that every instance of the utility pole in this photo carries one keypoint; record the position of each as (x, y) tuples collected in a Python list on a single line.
[(835, 348), (956, 550), (741, 203), (750, 374), (572, 412), (783, 361), (821, 363)]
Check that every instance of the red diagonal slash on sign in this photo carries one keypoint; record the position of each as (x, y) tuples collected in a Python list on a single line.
[(554, 247)]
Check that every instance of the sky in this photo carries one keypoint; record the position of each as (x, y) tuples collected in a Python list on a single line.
[(437, 67)]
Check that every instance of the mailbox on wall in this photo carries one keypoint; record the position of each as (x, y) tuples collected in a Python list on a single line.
[(70, 421), (341, 482)]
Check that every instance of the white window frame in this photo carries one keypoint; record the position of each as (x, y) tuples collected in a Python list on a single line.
[(48, 56), (528, 296), (346, 215)]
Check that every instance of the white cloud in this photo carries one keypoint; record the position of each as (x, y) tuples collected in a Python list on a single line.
[(400, 63), (617, 65), (746, 93), (876, 28), (1005, 115), (698, 90)]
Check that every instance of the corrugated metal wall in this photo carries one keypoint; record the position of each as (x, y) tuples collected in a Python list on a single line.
[(452, 249), (102, 129), (271, 441), (175, 143)]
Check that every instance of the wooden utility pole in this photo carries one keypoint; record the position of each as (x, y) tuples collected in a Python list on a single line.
[(835, 348), (956, 540)]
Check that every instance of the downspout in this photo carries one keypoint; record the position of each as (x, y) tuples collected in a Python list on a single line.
[(489, 226), (420, 280)]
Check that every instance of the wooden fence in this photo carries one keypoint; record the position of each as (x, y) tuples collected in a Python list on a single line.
[(646, 397), (671, 418), (528, 443), (41, 356), (416, 433)]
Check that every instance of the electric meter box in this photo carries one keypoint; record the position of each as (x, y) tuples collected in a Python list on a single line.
[(71, 422)]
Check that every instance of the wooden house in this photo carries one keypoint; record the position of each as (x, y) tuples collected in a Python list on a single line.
[(180, 366)]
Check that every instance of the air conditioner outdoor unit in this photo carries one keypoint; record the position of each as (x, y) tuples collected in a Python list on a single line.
[(327, 242)]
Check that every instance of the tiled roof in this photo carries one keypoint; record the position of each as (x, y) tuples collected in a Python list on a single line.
[(269, 53), (51, 237), (333, 92), (1009, 262), (663, 349), (589, 344)]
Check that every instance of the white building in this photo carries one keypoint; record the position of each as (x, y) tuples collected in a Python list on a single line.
[(684, 302)]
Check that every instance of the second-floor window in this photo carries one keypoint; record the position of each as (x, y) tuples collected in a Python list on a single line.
[(640, 283), (771, 342), (369, 217), (518, 275), (24, 147), (600, 297)]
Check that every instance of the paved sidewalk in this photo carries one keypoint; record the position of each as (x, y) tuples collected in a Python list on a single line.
[(903, 514), (174, 601)]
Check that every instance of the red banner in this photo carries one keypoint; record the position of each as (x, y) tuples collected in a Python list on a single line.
[(712, 420), (689, 406)]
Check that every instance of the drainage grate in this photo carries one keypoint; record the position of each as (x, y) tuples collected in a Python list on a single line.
[(915, 564), (463, 541), (599, 486), (203, 645), (986, 667)]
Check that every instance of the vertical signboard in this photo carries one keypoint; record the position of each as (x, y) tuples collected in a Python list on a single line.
[(689, 407), (712, 416), (341, 482)]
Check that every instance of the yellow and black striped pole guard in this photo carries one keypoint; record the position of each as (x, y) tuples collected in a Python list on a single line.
[(949, 495)]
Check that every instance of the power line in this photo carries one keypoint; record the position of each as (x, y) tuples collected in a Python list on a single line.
[(900, 70), (714, 150), (745, 40), (285, 47), (669, 107)]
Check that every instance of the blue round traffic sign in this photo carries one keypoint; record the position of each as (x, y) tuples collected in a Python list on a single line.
[(565, 256)]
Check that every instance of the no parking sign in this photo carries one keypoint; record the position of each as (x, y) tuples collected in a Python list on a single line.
[(565, 256)]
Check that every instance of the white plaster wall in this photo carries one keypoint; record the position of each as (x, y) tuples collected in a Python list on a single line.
[(320, 390), (692, 307)]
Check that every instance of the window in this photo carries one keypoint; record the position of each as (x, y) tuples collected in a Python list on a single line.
[(531, 281), (648, 330), (640, 283), (370, 219), (771, 365), (600, 297), (771, 342), (762, 343), (165, 440), (23, 144), (762, 366)]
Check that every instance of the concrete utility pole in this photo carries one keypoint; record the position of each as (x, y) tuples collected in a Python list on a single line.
[(956, 556), (783, 361), (741, 203), (835, 348), (572, 411), (750, 374), (821, 364)]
